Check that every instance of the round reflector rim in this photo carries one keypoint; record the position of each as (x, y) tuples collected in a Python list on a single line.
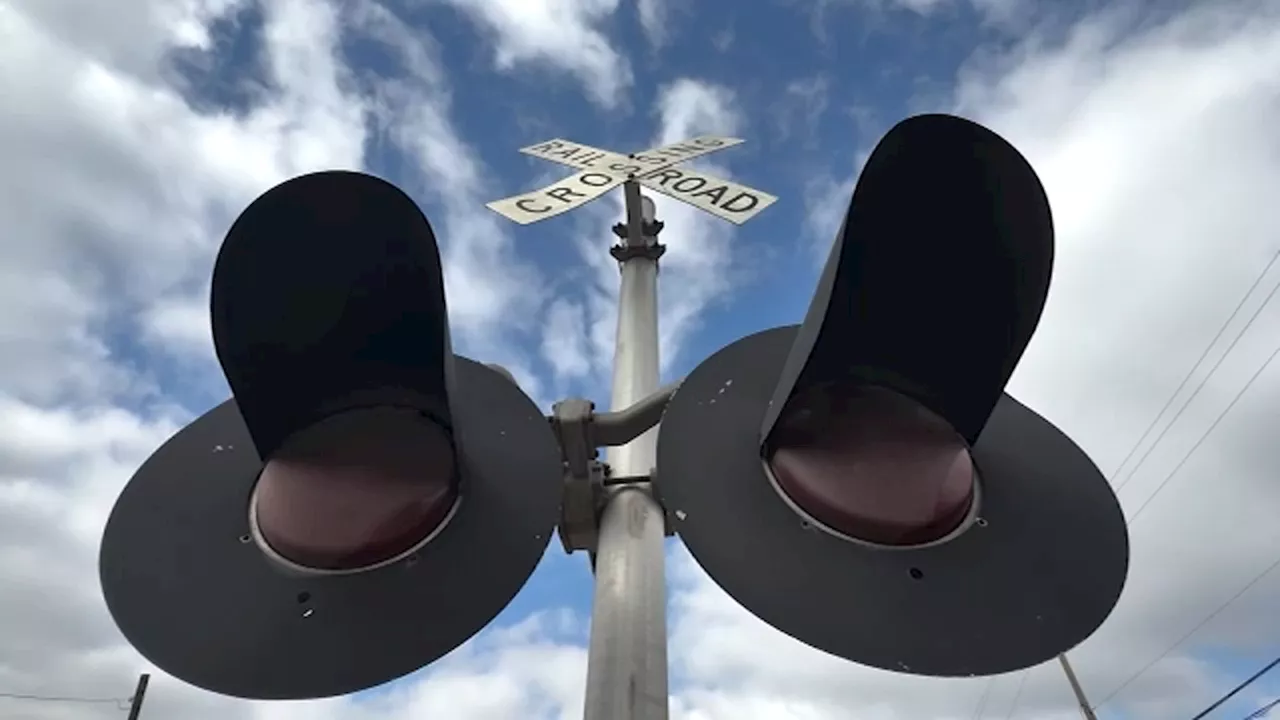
[(955, 521), (970, 518), (278, 558), (195, 489), (982, 604), (289, 561)]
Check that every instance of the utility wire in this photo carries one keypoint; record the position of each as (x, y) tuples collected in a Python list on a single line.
[(1193, 631), (1262, 711), (1253, 378), (1191, 373), (982, 701), (1169, 477), (1237, 689), (1212, 371), (1160, 415), (1022, 684), (52, 698)]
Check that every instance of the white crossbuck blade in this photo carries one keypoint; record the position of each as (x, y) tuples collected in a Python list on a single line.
[(603, 170)]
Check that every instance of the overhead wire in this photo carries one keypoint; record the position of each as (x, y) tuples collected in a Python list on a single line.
[(1191, 373), (1208, 619), (1238, 688), (1262, 711), (1147, 502), (63, 698), (1155, 422), (982, 701), (1209, 431), (1017, 695), (1203, 382), (1162, 485)]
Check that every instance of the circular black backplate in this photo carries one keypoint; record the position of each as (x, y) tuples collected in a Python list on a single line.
[(1037, 573), (192, 592)]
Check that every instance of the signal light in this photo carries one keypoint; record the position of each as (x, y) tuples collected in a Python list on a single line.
[(862, 481), (367, 501), (355, 490), (872, 465)]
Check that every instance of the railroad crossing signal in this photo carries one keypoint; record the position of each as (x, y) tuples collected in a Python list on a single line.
[(604, 170), (861, 481), (368, 500)]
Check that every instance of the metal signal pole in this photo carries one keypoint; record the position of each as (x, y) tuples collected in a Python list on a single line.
[(627, 656), (135, 702), (1085, 710)]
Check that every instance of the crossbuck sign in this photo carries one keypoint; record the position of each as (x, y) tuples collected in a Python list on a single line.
[(603, 170)]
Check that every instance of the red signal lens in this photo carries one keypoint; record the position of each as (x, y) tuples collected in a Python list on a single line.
[(356, 489), (872, 464)]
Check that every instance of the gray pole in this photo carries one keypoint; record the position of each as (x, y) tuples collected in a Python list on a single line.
[(627, 657), (135, 703), (1076, 689)]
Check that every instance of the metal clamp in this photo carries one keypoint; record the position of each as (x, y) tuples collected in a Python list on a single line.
[(581, 431), (645, 481), (583, 473)]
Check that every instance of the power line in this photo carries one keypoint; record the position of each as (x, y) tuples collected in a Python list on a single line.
[(1022, 684), (63, 698), (1169, 477), (1203, 382), (1193, 631), (1160, 437), (1162, 486), (1237, 689), (982, 701), (1210, 429), (1212, 371), (132, 704), (1262, 711), (1191, 373), (1178, 414)]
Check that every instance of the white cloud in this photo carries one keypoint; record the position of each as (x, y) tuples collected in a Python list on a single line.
[(1155, 150), (920, 6), (654, 16), (1158, 151), (564, 340), (564, 36), (116, 191), (723, 40), (141, 183), (528, 671), (1159, 154), (1007, 14), (492, 292), (698, 268), (800, 108), (825, 202)]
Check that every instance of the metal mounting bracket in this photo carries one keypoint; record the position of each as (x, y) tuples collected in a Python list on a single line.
[(587, 481)]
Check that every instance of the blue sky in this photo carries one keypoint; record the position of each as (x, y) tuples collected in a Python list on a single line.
[(133, 134)]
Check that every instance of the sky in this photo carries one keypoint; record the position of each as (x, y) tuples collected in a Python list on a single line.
[(133, 132)]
